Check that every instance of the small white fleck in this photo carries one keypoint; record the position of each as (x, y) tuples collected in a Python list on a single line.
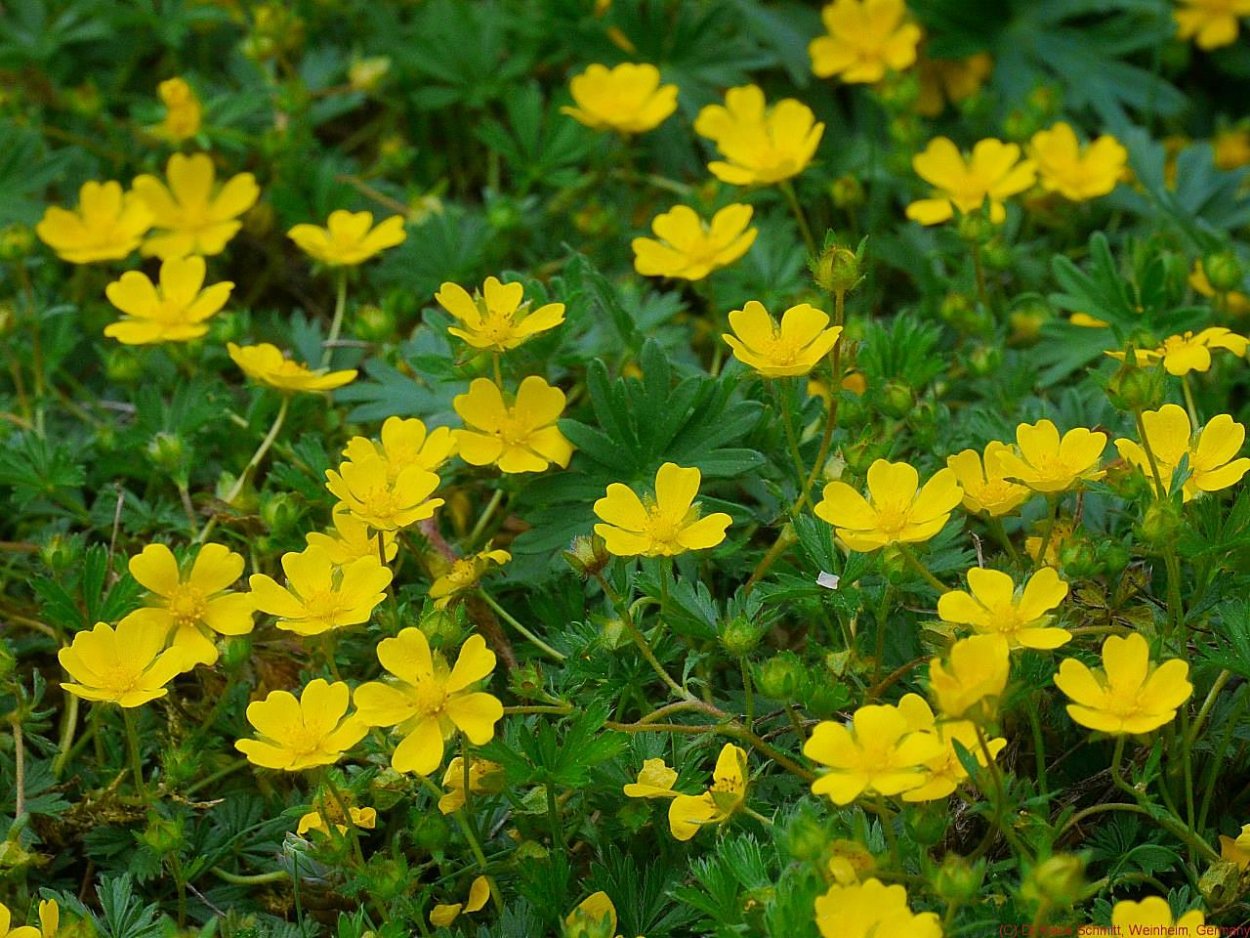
[(828, 580)]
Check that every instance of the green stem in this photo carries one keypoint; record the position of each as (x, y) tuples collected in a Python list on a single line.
[(787, 189), (1052, 509), (485, 517), (341, 803), (641, 640), (336, 325), (132, 746), (792, 440), (256, 879), (1188, 391), (886, 817), (69, 727), (831, 416), (252, 463), (920, 568), (747, 692), (507, 617)]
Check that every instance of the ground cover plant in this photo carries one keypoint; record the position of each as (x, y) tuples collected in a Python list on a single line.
[(621, 468)]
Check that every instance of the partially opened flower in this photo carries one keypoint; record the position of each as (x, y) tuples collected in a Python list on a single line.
[(790, 348), (191, 214), (464, 574), (320, 596), (349, 238), (106, 226), (427, 702), (897, 509), (315, 820), (176, 311), (128, 667), (879, 753), (1212, 24), (485, 778), (367, 489), (661, 526), (984, 482), (727, 793), (265, 363), (1046, 463), (1078, 173), (627, 98), (183, 112), (655, 780), (968, 684), (1210, 458), (190, 609), (352, 539), (1191, 351), (1129, 695), (1237, 849), (761, 145), (522, 437), (443, 914), (995, 172), (944, 772), (498, 318), (872, 909), (993, 606), (405, 442), (866, 38), (1153, 916), (297, 733), (687, 248)]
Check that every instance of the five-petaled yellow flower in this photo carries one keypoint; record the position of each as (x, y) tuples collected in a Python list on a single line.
[(296, 733), (427, 702), (520, 438), (686, 248), (320, 596), (993, 606), (995, 173), (783, 350), (866, 38), (498, 318), (1046, 463), (128, 667), (1078, 173), (348, 238), (1210, 458), (405, 442), (190, 609), (880, 752), (190, 214), (727, 793), (384, 500), (107, 225), (266, 363), (1210, 23), (183, 112), (1153, 916), (176, 311), (872, 909), (985, 486), (896, 511), (663, 526), (944, 772), (464, 574), (1191, 351), (1128, 695), (761, 145), (352, 539), (628, 98), (968, 684)]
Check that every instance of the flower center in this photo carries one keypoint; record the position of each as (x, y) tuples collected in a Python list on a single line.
[(893, 518), (187, 605), (513, 431), (323, 605), (430, 697)]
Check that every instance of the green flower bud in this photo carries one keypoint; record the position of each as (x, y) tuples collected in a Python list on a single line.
[(1058, 882), (16, 242), (429, 831), (1162, 523), (1079, 559), (847, 192), (898, 92), (897, 399), (927, 822), (838, 269), (804, 838), (236, 651), (374, 324), (997, 255), (526, 681), (1220, 885), (976, 227), (122, 366), (781, 676), (961, 313), (985, 360), (387, 876), (612, 633), (1223, 271), (280, 511), (1115, 557), (740, 635), (162, 835), (587, 555), (1136, 386), (958, 881), (168, 452), (443, 627)]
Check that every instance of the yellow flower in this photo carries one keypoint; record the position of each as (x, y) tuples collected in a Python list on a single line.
[(1230, 147), (872, 909), (1153, 916), (348, 238), (970, 683), (484, 778), (315, 820), (688, 813), (191, 609), (866, 38), (655, 780), (182, 110), (984, 483), (628, 98), (174, 312), (1046, 463), (995, 172), (897, 513), (993, 607), (1075, 172), (1209, 458), (879, 753), (351, 539), (791, 349), (1190, 351), (190, 214), (367, 74), (386, 502), (404, 443), (106, 226), (320, 596), (663, 526), (1210, 23), (1234, 301), (465, 573), (266, 363), (295, 733), (128, 667), (686, 248), (1237, 850), (520, 438), (594, 917), (952, 80), (1128, 695), (443, 914), (944, 772), (426, 702), (498, 318), (761, 145), (49, 922)]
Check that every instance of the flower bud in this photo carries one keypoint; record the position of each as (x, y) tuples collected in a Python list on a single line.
[(60, 552), (1057, 882), (975, 227), (927, 822), (587, 555), (1162, 523), (898, 92), (280, 511), (367, 74), (1115, 557), (1078, 559), (1027, 319), (897, 399), (804, 838), (236, 651), (16, 241), (122, 366), (1223, 271), (838, 269), (985, 360), (526, 681), (442, 627), (162, 835), (374, 324), (387, 876), (740, 635), (1220, 885), (961, 313), (1136, 386), (998, 255), (258, 220), (429, 830), (846, 192), (958, 881), (781, 676)]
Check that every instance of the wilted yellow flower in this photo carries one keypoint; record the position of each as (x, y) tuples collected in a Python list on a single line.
[(688, 813), (970, 682), (1234, 301), (778, 351), (427, 702), (995, 172), (348, 238), (984, 483), (384, 501), (1210, 458), (190, 214), (1153, 916), (182, 110), (993, 607), (405, 442), (628, 98), (320, 596), (872, 909), (1190, 351), (351, 539), (1046, 463), (266, 364), (520, 438), (866, 38), (465, 573), (176, 311), (128, 667), (189, 610), (880, 752), (106, 226), (497, 319), (663, 526), (1128, 695), (899, 511), (443, 914), (944, 772), (686, 248), (1237, 850), (761, 145), (315, 820), (484, 778), (1075, 172), (655, 780), (296, 733), (952, 80), (1210, 23)]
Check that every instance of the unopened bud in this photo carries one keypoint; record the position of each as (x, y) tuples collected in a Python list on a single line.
[(1058, 882), (1223, 271)]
